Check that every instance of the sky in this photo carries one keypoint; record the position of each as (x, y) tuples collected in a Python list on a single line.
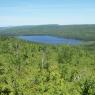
[(38, 12)]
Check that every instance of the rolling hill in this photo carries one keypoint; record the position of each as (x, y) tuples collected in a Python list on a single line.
[(82, 32)]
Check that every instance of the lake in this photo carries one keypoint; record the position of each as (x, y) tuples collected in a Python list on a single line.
[(50, 40)]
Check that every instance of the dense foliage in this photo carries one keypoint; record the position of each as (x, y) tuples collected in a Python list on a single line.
[(37, 69), (83, 32)]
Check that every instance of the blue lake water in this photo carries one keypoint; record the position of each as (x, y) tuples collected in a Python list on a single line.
[(50, 40)]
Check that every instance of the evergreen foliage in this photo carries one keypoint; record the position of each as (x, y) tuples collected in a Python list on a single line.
[(37, 69)]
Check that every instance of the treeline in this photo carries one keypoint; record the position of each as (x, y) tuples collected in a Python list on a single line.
[(38, 69), (82, 32)]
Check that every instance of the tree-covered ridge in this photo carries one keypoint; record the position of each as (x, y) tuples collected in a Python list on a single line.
[(82, 32), (37, 69)]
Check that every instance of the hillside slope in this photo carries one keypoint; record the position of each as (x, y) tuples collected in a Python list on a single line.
[(83, 32)]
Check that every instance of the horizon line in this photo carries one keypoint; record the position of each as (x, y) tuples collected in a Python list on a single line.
[(44, 24)]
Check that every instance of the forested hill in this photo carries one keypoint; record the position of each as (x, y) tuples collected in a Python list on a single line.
[(39, 69), (83, 32)]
